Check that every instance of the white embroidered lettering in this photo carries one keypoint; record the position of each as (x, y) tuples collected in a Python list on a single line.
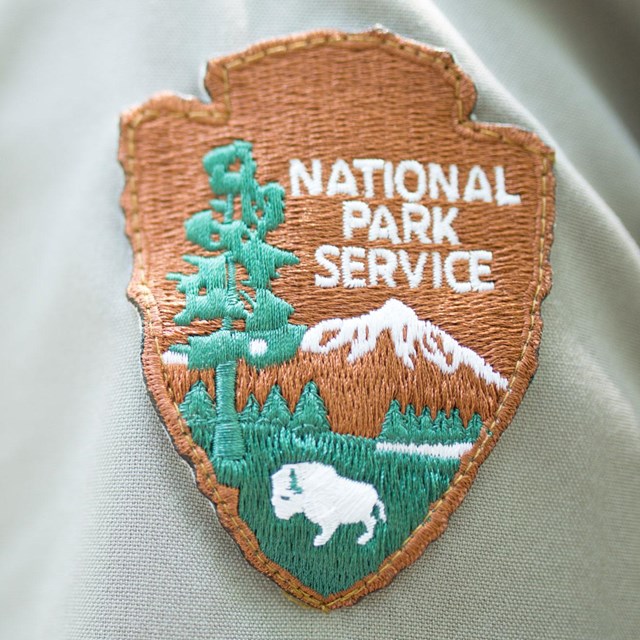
[(442, 226), (388, 180), (478, 187), (438, 180), (349, 266), (341, 180), (421, 180), (383, 269), (417, 227), (387, 232), (368, 166), (476, 270), (313, 182), (321, 258), (350, 221), (436, 261), (502, 196), (414, 276), (459, 286)]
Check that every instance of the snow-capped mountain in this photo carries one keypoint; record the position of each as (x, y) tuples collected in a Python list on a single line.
[(411, 337)]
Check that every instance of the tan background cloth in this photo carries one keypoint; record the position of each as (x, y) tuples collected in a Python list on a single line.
[(103, 533)]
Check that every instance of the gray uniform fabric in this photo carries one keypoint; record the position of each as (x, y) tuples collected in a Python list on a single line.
[(102, 531)]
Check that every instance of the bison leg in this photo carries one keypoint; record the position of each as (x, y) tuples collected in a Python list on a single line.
[(370, 523), (325, 535)]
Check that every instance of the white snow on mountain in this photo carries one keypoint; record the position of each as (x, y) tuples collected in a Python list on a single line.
[(411, 337)]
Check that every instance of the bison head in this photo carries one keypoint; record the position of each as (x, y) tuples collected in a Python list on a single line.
[(286, 493)]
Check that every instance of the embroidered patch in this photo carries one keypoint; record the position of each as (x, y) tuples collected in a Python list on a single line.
[(340, 275)]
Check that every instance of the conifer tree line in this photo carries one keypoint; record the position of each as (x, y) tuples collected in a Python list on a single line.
[(309, 418), (408, 427)]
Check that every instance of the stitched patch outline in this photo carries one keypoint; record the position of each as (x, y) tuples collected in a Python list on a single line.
[(259, 361)]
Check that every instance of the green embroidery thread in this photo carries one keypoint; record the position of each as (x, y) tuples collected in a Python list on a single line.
[(310, 415), (273, 436), (275, 411), (199, 412), (250, 413), (412, 457), (213, 292), (444, 429), (293, 482)]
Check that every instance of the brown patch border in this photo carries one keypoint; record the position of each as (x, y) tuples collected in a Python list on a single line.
[(226, 499)]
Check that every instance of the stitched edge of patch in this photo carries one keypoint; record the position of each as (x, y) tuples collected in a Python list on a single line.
[(217, 82)]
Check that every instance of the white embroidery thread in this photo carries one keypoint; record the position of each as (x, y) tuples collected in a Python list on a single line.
[(326, 499), (456, 450), (408, 333)]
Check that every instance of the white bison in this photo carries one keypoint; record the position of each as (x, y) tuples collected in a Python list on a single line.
[(325, 498)]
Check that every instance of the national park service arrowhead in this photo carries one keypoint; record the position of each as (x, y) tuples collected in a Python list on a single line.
[(340, 276)]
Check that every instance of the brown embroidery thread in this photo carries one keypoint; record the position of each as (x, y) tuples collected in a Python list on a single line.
[(160, 381)]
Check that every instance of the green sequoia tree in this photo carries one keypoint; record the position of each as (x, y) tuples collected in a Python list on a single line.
[(254, 322)]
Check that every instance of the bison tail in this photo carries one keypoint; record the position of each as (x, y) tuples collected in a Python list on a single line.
[(382, 515)]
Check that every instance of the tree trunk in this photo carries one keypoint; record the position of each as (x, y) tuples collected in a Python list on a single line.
[(228, 443)]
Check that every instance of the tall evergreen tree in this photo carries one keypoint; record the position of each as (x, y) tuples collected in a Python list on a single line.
[(235, 231), (411, 424), (198, 411), (251, 412), (275, 411), (473, 428), (457, 429), (426, 427), (440, 423), (394, 426), (310, 415)]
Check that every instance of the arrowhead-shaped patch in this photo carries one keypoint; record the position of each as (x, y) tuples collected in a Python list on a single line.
[(340, 275)]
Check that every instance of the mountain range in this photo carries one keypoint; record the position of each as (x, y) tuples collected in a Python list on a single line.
[(412, 338)]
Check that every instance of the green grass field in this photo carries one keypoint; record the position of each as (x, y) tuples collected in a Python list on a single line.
[(273, 436), (407, 484)]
